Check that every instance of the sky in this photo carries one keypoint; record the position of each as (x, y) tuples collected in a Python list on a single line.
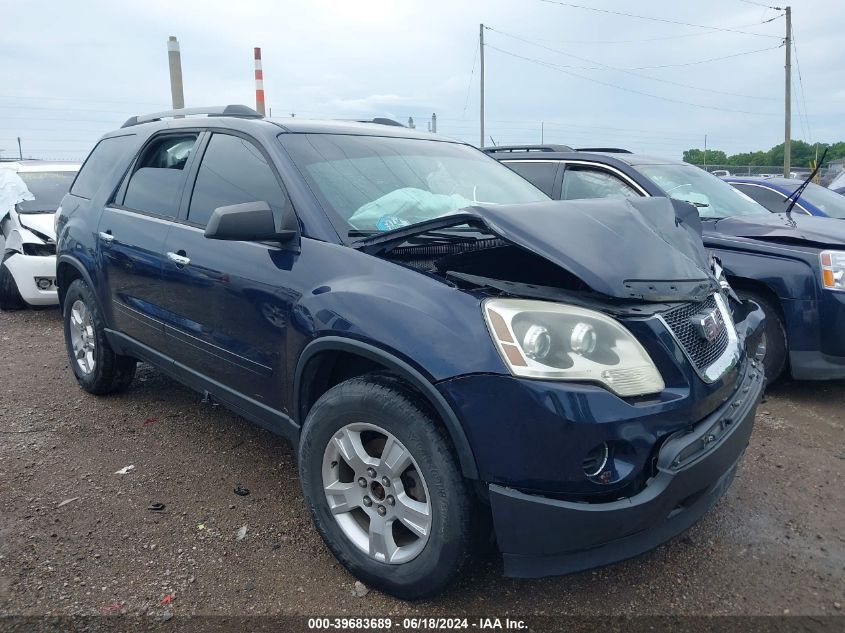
[(74, 70)]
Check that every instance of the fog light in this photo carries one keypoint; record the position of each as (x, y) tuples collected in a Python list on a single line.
[(596, 460), (44, 283), (537, 342)]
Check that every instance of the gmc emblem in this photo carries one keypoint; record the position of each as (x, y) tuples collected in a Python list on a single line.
[(708, 324)]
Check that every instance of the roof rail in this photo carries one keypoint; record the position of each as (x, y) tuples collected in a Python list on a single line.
[(380, 121), (502, 149), (241, 111), (608, 150)]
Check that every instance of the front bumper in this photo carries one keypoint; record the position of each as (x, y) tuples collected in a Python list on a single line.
[(25, 268), (541, 536)]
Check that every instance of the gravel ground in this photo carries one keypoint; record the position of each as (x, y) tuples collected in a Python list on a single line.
[(78, 539)]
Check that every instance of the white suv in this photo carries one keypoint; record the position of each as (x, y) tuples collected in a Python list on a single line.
[(30, 193)]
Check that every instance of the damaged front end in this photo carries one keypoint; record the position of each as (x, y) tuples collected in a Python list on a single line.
[(629, 258), (631, 386)]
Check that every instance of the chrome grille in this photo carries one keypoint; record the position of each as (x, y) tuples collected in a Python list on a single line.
[(701, 352)]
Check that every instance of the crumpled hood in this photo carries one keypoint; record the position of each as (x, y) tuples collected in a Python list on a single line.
[(40, 223), (778, 227), (633, 248)]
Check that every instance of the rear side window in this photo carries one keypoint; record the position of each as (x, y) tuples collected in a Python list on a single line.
[(541, 174), (102, 159), (156, 183), (774, 201), (585, 182), (233, 171)]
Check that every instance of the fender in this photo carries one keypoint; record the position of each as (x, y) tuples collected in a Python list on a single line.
[(80, 268), (401, 368)]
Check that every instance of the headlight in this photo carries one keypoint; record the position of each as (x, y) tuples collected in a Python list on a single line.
[(833, 269), (539, 339)]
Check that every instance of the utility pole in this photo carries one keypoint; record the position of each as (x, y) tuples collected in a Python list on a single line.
[(705, 152), (20, 151), (434, 123), (174, 58), (542, 132), (481, 56), (787, 125)]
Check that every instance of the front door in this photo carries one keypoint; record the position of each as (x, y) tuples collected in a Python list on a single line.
[(131, 235), (226, 304)]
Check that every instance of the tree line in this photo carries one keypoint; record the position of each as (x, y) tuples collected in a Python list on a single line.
[(803, 154)]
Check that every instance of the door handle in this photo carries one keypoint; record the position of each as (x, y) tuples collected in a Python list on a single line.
[(179, 260), (107, 237)]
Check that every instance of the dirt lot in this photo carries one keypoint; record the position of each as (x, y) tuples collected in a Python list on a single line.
[(77, 538)]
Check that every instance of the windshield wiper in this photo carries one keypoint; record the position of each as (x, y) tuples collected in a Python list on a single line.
[(793, 197), (700, 205)]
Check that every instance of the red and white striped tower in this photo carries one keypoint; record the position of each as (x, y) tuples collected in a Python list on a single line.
[(259, 83)]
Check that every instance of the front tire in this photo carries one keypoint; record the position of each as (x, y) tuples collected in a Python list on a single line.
[(384, 489), (10, 296), (774, 361), (98, 369)]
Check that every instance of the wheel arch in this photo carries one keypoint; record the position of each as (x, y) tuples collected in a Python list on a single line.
[(321, 357), (69, 269), (758, 287)]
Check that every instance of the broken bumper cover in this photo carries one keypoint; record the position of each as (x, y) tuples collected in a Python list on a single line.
[(26, 269), (540, 536)]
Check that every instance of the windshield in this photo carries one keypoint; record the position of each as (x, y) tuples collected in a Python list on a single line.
[(48, 187), (372, 184), (714, 197), (830, 202)]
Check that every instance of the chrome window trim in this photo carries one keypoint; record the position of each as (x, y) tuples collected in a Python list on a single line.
[(762, 186)]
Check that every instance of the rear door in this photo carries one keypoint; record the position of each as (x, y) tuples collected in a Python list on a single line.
[(132, 230), (226, 303)]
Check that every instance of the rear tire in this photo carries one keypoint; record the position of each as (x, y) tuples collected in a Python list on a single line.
[(774, 362), (98, 369), (10, 296), (371, 413)]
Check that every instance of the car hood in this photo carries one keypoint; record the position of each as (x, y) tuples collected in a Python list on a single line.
[(795, 228), (40, 223), (640, 248)]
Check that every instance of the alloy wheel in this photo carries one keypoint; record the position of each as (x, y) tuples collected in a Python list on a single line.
[(376, 493), (82, 336)]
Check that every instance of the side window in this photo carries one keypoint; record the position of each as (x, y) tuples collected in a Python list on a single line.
[(157, 180), (102, 159), (540, 174), (772, 200), (581, 182), (233, 171)]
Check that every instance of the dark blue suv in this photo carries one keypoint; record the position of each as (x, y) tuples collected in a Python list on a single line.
[(415, 317)]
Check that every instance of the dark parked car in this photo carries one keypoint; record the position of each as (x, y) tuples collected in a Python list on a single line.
[(775, 194), (792, 266), (439, 347)]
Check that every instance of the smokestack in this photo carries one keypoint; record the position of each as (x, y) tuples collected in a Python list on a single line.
[(174, 58), (259, 83)]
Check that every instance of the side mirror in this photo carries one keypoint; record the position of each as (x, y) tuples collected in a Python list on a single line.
[(246, 222)]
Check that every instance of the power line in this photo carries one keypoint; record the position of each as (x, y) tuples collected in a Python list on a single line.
[(801, 86), (635, 74), (632, 90), (619, 68), (664, 20), (471, 75), (651, 39), (760, 4)]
